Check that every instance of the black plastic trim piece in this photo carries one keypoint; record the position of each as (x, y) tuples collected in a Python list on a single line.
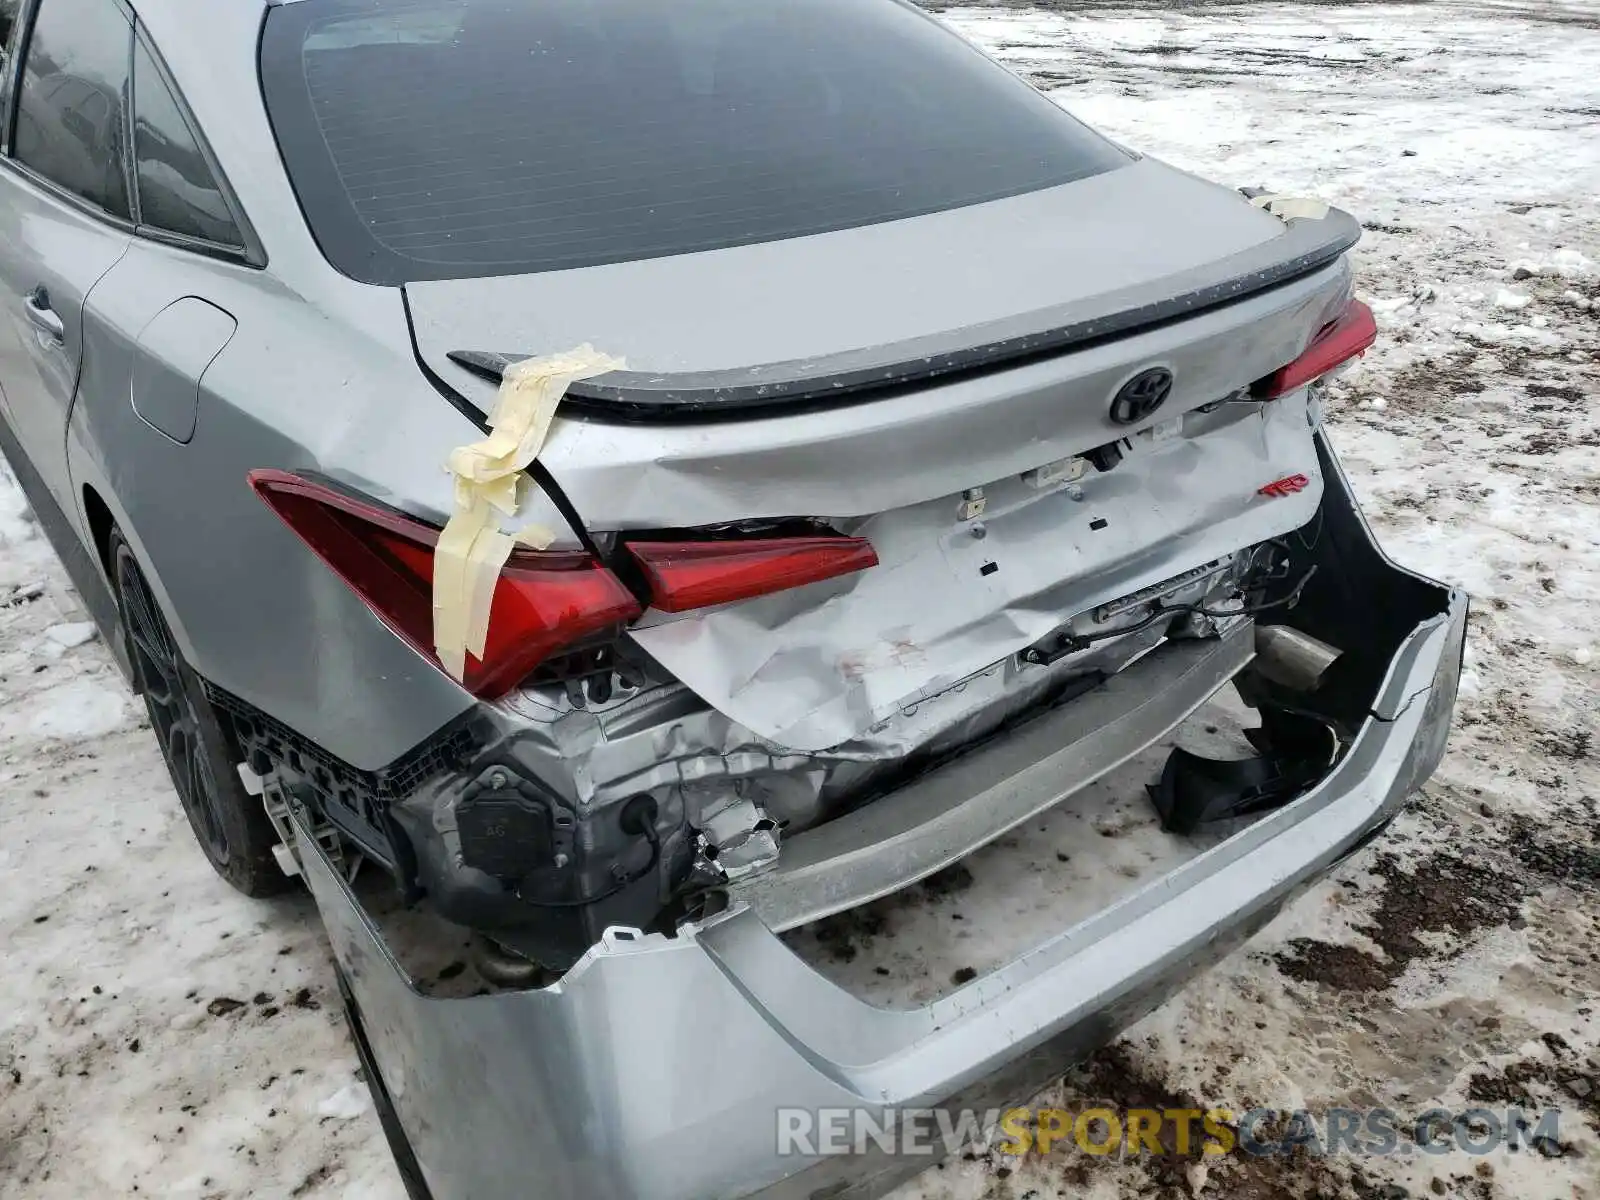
[(452, 743), (358, 802)]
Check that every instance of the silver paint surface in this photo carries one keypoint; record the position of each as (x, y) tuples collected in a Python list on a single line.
[(170, 358), (601, 1085), (812, 299)]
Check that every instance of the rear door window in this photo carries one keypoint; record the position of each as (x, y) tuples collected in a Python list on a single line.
[(10, 10), (444, 138), (70, 116), (178, 192)]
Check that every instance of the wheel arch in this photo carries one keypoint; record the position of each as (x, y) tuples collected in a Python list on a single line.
[(100, 510)]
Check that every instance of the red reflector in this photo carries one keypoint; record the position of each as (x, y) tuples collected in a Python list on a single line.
[(686, 575), (1337, 342), (544, 601), (1287, 486)]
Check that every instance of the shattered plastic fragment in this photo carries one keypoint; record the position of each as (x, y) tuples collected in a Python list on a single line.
[(488, 485), (535, 536), (1286, 208)]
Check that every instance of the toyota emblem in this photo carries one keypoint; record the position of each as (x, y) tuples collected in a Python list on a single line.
[(1141, 396)]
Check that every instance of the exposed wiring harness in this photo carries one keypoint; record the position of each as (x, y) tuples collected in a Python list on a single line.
[(1074, 641)]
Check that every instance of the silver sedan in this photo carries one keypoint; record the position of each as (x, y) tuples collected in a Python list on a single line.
[(648, 477)]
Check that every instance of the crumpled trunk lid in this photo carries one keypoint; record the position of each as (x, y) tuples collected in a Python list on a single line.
[(813, 667), (873, 378)]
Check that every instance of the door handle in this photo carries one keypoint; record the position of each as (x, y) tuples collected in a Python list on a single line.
[(44, 318)]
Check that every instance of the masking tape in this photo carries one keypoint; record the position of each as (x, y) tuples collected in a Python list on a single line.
[(1286, 208), (489, 484)]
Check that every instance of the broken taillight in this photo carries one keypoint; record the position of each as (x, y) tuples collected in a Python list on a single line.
[(686, 575), (1337, 342), (544, 601)]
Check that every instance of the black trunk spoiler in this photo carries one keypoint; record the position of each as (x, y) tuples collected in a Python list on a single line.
[(1307, 244)]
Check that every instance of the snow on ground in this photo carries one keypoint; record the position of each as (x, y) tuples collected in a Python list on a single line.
[(161, 1035)]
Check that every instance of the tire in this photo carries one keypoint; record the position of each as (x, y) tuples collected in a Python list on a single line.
[(196, 742)]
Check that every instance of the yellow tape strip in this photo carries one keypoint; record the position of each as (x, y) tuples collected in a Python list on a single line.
[(489, 484)]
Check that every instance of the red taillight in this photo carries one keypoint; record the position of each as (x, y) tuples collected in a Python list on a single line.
[(685, 575), (544, 601), (1338, 342)]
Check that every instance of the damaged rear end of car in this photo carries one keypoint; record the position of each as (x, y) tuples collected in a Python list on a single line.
[(665, 1059), (725, 670), (927, 498), (790, 708)]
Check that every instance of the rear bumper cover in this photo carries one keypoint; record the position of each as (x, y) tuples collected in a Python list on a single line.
[(657, 1066)]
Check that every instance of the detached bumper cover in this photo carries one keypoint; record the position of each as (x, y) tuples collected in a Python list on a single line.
[(657, 1066)]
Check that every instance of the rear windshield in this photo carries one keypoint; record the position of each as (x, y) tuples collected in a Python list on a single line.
[(431, 139)]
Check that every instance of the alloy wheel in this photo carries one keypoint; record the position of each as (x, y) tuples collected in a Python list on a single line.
[(167, 692)]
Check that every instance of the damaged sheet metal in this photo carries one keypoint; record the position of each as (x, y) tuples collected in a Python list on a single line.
[(818, 666), (786, 1036), (737, 837), (665, 741)]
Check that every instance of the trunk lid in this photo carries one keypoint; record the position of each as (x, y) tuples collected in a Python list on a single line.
[(830, 317), (874, 377)]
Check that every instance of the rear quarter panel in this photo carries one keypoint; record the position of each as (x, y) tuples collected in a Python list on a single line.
[(296, 387), (319, 375)]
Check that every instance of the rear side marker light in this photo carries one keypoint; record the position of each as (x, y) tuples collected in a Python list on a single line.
[(544, 601), (688, 575), (1335, 344)]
